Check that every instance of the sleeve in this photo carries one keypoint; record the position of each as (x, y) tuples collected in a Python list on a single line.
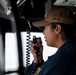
[(30, 70)]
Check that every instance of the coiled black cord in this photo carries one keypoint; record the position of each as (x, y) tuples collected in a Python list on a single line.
[(28, 48)]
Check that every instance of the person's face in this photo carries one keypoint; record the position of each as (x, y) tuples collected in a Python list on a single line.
[(50, 35)]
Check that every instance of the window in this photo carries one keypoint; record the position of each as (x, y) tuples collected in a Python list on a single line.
[(11, 54)]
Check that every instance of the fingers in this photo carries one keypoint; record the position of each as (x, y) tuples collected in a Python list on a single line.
[(36, 48), (33, 49), (31, 46), (31, 43)]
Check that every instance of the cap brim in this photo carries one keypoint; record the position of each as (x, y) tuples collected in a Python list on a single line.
[(40, 23)]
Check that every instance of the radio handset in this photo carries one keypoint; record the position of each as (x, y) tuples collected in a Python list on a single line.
[(37, 40)]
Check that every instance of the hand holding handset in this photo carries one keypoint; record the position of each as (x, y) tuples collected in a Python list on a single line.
[(37, 46), (37, 41)]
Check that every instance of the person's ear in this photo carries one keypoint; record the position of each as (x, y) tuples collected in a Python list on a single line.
[(58, 29)]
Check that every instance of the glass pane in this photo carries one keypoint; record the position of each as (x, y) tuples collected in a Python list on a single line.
[(11, 54)]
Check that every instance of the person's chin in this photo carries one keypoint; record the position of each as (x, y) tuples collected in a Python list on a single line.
[(48, 44)]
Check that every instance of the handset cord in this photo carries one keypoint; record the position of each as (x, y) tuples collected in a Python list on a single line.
[(28, 46)]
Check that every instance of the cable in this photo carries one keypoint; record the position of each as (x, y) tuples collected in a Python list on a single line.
[(28, 48)]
